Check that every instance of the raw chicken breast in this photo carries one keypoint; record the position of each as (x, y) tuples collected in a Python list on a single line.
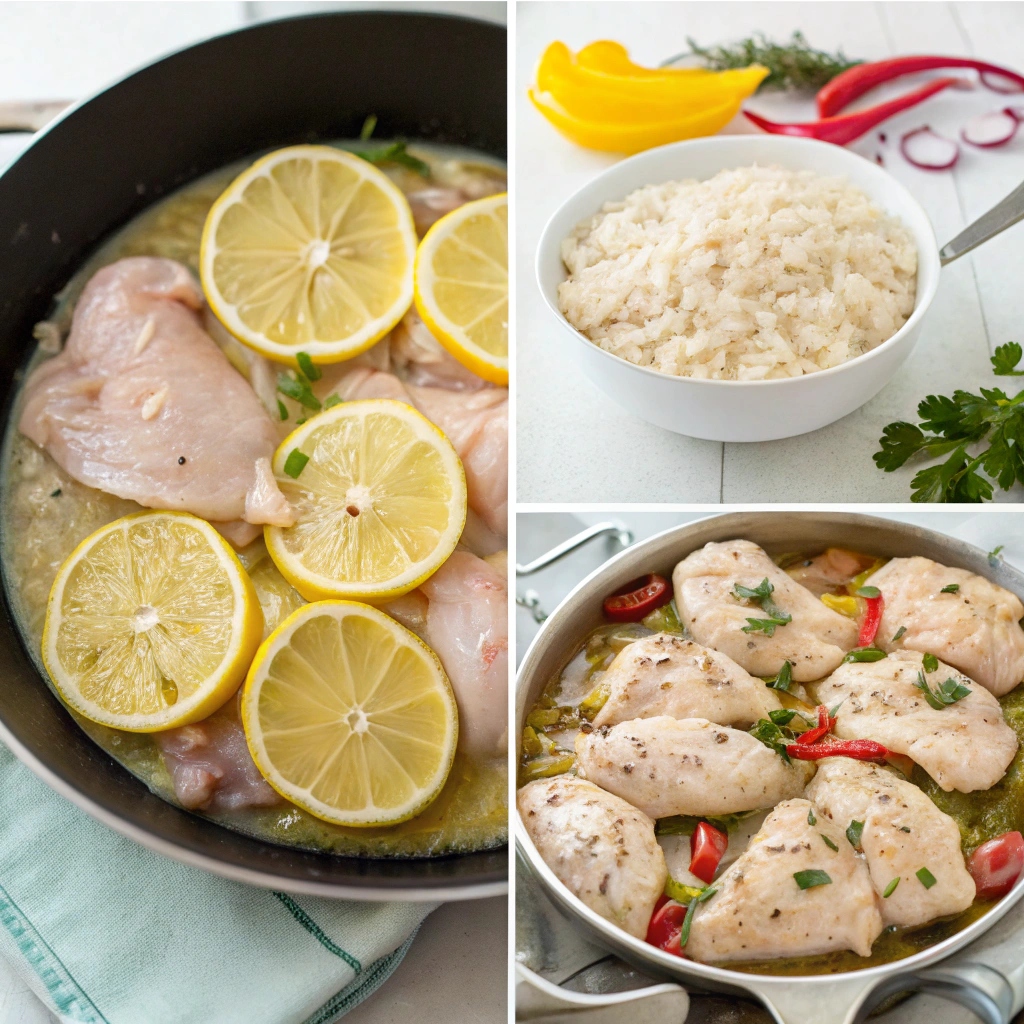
[(760, 912), (142, 404), (966, 746), (461, 612), (669, 766), (977, 628), (417, 357), (476, 423), (211, 766), (903, 832), (667, 675), (601, 849), (814, 642)]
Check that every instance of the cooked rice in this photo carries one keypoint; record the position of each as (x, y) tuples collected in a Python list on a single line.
[(756, 273)]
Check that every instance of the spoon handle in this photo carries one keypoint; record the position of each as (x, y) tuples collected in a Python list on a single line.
[(1004, 214)]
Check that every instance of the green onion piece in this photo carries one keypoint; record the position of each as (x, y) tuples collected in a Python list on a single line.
[(299, 390), (952, 588), (891, 888), (331, 401), (782, 716), (299, 422), (368, 126), (811, 819), (854, 831), (925, 877), (994, 556), (899, 632), (309, 369), (282, 410), (295, 463), (783, 681), (864, 654), (930, 662), (828, 842), (869, 592), (811, 878), (684, 932)]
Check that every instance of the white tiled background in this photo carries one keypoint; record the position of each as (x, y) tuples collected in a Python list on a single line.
[(65, 51)]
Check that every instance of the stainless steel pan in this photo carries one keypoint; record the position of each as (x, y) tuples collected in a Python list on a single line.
[(989, 978)]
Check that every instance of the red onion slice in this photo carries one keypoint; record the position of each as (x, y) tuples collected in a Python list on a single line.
[(1000, 83), (1017, 113), (926, 149), (995, 128)]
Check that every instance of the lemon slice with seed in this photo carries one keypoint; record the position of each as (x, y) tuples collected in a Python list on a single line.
[(380, 500), (350, 715), (309, 250), (461, 284), (151, 623)]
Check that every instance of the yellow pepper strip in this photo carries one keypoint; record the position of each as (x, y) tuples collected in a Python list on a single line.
[(595, 700), (546, 767), (860, 579), (844, 605), (680, 893)]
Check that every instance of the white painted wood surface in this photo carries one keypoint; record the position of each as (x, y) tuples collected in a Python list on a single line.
[(57, 50), (574, 444)]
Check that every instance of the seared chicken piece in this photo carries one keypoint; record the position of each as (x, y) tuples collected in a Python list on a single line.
[(966, 746), (667, 675), (669, 766), (760, 911), (814, 642), (600, 848), (142, 404), (903, 833), (975, 628), (833, 568)]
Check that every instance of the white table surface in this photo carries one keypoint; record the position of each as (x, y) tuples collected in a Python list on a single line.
[(457, 967), (574, 444)]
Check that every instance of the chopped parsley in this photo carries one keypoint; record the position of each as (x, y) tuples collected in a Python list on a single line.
[(891, 888), (944, 694), (930, 662), (868, 592), (295, 463), (762, 593), (772, 737), (828, 842), (899, 632), (783, 681), (811, 878), (811, 819), (925, 877), (56, 494), (951, 588), (864, 654), (854, 831)]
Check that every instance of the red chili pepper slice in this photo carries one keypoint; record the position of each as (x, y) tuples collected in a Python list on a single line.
[(707, 847), (638, 598), (821, 729), (665, 925), (996, 865), (872, 620), (859, 750), (845, 88), (846, 127)]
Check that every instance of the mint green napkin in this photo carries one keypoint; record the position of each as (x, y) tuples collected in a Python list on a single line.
[(106, 932)]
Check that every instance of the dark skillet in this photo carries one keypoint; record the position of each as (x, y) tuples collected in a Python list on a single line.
[(299, 80)]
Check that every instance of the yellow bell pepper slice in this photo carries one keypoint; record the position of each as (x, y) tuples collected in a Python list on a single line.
[(606, 55), (844, 605)]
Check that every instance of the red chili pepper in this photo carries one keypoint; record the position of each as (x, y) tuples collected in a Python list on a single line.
[(638, 598), (859, 750), (845, 88), (872, 620), (707, 847), (821, 729), (665, 925), (846, 127)]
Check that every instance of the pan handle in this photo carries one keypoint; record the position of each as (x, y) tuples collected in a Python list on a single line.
[(29, 115), (618, 530)]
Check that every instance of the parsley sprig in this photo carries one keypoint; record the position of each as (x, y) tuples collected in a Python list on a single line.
[(956, 428), (393, 153), (762, 593), (944, 694), (773, 737)]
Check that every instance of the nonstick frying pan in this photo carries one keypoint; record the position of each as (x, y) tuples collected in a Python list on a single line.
[(297, 80), (988, 977)]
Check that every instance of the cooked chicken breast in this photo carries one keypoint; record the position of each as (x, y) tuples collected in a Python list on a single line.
[(814, 642), (966, 746), (760, 911), (142, 404), (669, 766), (668, 675), (600, 848), (903, 833), (976, 628)]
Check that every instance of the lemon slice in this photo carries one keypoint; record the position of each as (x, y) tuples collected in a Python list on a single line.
[(309, 250), (380, 500), (151, 623), (349, 715), (462, 285)]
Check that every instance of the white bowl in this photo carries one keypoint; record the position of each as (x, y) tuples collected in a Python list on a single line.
[(725, 410)]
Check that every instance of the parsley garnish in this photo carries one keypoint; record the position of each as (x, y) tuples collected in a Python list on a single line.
[(395, 153), (899, 632), (944, 694), (891, 888), (862, 654), (782, 716), (952, 588), (811, 878), (828, 842), (949, 428), (854, 831), (783, 681), (762, 593), (930, 662), (811, 819), (925, 877), (771, 736), (295, 463)]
